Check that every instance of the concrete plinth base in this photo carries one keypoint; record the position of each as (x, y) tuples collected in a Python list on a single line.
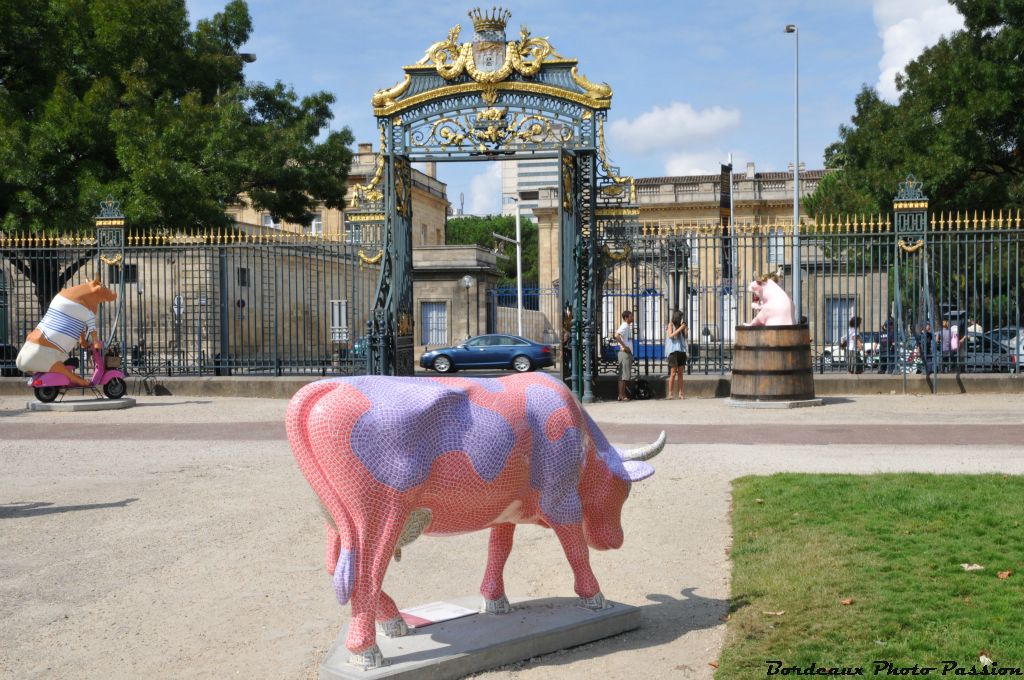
[(91, 404), (749, 403), (475, 643)]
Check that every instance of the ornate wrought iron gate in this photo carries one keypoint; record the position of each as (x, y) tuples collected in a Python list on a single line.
[(492, 99)]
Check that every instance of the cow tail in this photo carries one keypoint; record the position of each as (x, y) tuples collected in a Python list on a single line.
[(340, 555)]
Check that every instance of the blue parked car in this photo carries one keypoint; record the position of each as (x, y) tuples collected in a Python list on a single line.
[(490, 351)]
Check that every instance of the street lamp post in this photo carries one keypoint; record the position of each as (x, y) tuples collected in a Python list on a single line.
[(519, 265), (797, 307), (467, 283)]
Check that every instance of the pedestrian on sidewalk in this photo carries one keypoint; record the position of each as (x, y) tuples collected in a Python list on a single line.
[(854, 347), (624, 336), (675, 348)]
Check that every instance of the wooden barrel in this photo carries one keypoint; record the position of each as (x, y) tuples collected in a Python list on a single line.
[(772, 363)]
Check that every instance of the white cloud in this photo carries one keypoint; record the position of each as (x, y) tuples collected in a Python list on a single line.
[(671, 128), (907, 27), (695, 163), (485, 191)]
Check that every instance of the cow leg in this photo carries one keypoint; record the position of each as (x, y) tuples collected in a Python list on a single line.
[(493, 586), (376, 546), (389, 620), (576, 551)]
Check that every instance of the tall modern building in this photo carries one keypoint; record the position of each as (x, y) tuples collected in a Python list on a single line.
[(524, 179)]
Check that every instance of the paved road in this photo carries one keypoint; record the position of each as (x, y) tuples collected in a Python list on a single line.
[(177, 539)]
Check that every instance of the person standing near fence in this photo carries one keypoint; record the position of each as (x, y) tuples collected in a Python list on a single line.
[(624, 336), (854, 347), (675, 349), (945, 342), (927, 346)]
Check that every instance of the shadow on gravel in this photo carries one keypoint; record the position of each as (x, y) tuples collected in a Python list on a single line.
[(669, 619), (15, 510), (837, 400), (171, 403)]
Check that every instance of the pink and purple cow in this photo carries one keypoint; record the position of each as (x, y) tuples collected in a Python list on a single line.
[(393, 458)]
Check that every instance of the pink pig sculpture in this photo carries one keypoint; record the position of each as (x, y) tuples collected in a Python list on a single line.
[(393, 458), (770, 301)]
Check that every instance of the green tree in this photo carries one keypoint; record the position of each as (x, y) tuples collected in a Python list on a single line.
[(958, 123), (122, 98), (834, 195), (958, 127), (479, 230)]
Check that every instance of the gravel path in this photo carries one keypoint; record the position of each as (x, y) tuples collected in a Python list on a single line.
[(178, 539)]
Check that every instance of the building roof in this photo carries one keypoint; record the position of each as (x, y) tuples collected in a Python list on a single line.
[(736, 176)]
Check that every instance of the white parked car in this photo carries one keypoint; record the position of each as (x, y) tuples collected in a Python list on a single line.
[(1012, 339)]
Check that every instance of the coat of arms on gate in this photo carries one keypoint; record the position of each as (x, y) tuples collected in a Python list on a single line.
[(489, 38)]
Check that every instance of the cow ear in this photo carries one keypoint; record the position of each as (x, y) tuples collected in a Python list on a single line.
[(637, 470)]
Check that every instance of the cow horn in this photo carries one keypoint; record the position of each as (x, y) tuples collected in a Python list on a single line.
[(645, 452)]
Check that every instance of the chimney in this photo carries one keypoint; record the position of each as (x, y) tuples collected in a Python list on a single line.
[(750, 171), (364, 153), (431, 169)]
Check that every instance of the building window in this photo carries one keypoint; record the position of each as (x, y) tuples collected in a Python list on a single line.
[(339, 320), (776, 247), (243, 277), (437, 237), (270, 222), (316, 227), (423, 234), (434, 317), (130, 272), (354, 233), (608, 325), (838, 311)]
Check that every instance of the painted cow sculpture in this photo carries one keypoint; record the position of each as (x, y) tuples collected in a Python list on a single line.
[(771, 302), (393, 458)]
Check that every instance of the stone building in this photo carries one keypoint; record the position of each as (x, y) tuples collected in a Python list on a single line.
[(446, 310), (429, 200)]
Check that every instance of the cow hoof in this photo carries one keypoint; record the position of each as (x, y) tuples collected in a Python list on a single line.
[(396, 627), (596, 603), (371, 658), (499, 606)]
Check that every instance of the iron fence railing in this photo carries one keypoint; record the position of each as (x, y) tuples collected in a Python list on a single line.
[(911, 297), (278, 303), (208, 303), (540, 318)]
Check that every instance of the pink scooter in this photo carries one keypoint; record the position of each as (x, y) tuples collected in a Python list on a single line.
[(48, 386)]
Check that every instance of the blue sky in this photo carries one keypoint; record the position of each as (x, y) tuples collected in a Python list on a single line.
[(693, 81)]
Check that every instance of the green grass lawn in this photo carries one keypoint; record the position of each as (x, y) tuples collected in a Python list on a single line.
[(894, 543)]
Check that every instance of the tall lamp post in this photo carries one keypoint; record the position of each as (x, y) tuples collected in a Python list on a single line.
[(467, 283), (519, 265), (791, 28)]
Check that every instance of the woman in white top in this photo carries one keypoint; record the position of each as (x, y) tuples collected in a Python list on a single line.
[(624, 336), (675, 348), (854, 347)]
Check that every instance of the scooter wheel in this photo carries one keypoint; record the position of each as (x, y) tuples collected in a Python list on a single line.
[(115, 389), (46, 394)]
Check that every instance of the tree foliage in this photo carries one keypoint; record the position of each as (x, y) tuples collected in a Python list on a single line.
[(479, 230), (834, 195), (957, 125), (123, 98)]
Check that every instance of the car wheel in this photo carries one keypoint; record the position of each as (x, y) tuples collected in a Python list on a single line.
[(46, 394), (522, 364), (115, 389), (443, 364)]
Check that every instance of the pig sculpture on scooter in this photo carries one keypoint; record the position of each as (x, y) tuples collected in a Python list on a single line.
[(69, 320)]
